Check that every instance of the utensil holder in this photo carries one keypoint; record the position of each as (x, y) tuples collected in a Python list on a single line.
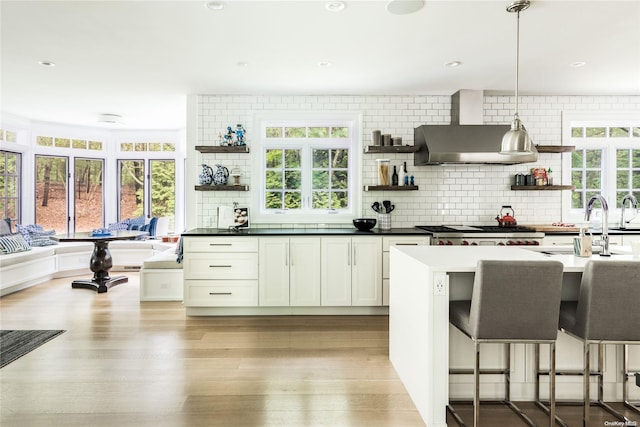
[(384, 221)]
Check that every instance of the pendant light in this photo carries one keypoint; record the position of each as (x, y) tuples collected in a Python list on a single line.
[(516, 141)]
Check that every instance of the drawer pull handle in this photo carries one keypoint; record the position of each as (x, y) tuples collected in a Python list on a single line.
[(219, 293), (406, 244), (220, 266), (220, 244)]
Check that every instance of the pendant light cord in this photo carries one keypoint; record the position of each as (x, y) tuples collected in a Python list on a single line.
[(517, 60)]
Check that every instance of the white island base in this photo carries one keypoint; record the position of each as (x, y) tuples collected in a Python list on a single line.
[(422, 344)]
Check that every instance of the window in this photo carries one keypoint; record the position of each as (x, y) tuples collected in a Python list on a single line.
[(306, 169), (88, 194), (10, 164), (606, 161), (52, 209)]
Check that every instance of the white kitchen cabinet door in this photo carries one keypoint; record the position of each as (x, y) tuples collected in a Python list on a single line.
[(274, 272), (366, 271), (304, 271), (335, 281)]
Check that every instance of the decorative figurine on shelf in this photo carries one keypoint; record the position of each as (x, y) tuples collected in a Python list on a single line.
[(240, 131), (220, 140), (228, 138)]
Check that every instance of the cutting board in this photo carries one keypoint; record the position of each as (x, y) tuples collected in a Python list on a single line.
[(548, 228)]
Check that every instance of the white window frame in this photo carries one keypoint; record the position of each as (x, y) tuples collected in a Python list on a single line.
[(306, 215), (608, 145)]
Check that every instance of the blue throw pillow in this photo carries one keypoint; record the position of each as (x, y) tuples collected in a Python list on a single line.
[(122, 225), (12, 243), (136, 223)]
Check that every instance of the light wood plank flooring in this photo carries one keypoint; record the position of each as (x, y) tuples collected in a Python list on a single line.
[(126, 363)]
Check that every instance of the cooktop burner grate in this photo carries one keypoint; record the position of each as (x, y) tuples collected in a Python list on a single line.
[(475, 229)]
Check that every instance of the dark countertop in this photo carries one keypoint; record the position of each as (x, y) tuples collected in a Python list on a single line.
[(304, 232)]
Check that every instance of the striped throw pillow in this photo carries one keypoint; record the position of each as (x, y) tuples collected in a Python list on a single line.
[(12, 243)]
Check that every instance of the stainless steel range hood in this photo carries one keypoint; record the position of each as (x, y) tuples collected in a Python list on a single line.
[(466, 140)]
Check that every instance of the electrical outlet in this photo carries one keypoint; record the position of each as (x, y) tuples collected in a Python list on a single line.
[(440, 283)]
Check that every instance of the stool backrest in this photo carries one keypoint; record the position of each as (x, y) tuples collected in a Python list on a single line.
[(516, 300), (609, 301)]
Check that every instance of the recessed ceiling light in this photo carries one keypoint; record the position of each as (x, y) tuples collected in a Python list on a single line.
[(335, 6), (453, 64), (324, 64), (242, 64), (404, 7), (578, 64), (109, 118), (47, 63), (214, 5)]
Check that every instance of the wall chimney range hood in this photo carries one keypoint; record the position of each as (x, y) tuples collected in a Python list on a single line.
[(466, 140)]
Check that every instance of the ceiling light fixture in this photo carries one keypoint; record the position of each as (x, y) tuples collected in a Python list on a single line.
[(516, 141), (578, 64), (214, 5), (324, 64), (242, 64), (45, 63), (404, 7), (335, 6), (453, 64), (110, 118)]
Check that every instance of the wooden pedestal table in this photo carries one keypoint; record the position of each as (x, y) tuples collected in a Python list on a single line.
[(101, 261)]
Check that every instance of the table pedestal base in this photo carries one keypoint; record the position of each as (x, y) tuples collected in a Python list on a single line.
[(100, 287)]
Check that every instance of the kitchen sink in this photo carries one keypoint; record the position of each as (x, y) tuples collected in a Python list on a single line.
[(569, 251)]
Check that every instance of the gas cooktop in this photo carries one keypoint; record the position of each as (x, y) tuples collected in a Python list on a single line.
[(475, 229)]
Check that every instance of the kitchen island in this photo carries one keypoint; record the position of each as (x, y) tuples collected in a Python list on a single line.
[(424, 280)]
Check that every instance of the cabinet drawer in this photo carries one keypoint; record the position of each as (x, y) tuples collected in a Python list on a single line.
[(235, 266), (403, 241), (220, 244), (221, 293)]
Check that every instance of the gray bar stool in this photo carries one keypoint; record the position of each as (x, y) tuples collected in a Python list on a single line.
[(511, 302), (606, 313)]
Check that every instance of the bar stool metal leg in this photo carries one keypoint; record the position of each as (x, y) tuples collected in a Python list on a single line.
[(625, 378)]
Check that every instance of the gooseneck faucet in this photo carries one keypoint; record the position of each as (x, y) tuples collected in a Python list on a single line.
[(605, 223), (634, 204)]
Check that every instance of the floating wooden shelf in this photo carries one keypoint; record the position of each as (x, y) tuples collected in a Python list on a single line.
[(222, 149), (555, 148), (390, 187), (390, 149), (542, 187), (222, 188)]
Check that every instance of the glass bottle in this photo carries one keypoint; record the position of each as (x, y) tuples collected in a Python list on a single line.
[(394, 176)]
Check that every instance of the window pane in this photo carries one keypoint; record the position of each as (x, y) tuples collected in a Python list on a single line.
[(318, 132), (576, 159), (295, 132), (273, 200), (339, 200), (594, 158), (131, 189), (168, 146), (273, 180), (140, 146), (320, 158), (95, 145), (594, 180), (163, 191), (339, 158), (291, 158), (576, 200), (51, 193), (596, 132), (9, 184), (622, 179), (11, 137), (44, 141), (88, 198), (622, 158), (342, 132), (79, 144), (126, 146), (320, 200), (274, 159), (619, 132), (635, 158), (272, 132), (63, 142), (339, 180), (293, 180), (577, 132), (292, 200), (320, 180), (636, 132), (155, 146), (635, 179)]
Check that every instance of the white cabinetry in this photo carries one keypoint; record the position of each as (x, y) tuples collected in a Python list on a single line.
[(220, 271), (567, 240), (351, 271), (387, 242), (289, 271)]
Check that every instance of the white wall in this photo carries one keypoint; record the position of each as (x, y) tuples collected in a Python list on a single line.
[(469, 194)]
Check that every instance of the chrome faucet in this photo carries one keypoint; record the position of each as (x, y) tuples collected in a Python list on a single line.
[(634, 204), (605, 222)]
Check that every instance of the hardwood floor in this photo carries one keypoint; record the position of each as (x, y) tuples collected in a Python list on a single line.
[(126, 363)]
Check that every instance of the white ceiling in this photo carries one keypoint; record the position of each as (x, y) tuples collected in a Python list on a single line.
[(140, 59)]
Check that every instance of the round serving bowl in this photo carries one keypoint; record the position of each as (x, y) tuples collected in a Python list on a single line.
[(364, 224)]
